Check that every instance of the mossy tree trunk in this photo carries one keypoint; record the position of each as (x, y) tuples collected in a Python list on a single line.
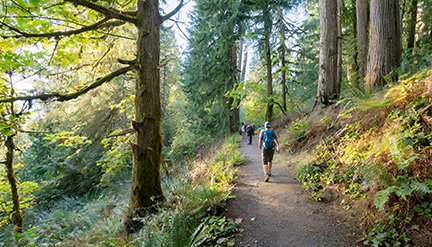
[(146, 188), (340, 9), (412, 25), (234, 114), (362, 31), (16, 216), (385, 43)]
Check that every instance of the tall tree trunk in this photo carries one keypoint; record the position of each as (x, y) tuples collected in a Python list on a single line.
[(353, 70), (164, 103), (412, 25), (243, 72), (385, 45), (146, 188), (240, 58), (16, 216), (362, 33), (283, 81), (340, 8), (282, 27), (267, 31), (234, 106), (327, 73)]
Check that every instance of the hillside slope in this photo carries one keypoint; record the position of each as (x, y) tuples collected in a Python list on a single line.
[(376, 155)]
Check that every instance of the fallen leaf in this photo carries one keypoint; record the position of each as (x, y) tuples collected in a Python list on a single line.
[(253, 219), (238, 221)]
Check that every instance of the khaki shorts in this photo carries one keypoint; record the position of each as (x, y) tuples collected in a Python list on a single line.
[(267, 155)]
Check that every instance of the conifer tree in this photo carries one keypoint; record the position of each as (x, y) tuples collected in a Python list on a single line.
[(211, 65)]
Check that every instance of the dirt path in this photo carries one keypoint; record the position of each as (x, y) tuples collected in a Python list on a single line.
[(277, 213)]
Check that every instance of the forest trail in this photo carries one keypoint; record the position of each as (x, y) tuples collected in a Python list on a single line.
[(278, 213)]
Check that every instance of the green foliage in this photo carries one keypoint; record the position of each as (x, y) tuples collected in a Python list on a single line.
[(403, 190), (186, 143), (382, 155), (67, 139), (25, 192), (116, 159), (298, 129), (386, 233), (309, 177), (61, 170), (69, 219), (191, 216), (209, 73)]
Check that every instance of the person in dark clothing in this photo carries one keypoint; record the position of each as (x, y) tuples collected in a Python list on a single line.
[(250, 131)]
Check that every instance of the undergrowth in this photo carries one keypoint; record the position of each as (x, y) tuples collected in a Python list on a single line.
[(383, 154), (193, 214)]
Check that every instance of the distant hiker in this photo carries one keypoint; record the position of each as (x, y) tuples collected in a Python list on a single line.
[(243, 130), (249, 132), (268, 142)]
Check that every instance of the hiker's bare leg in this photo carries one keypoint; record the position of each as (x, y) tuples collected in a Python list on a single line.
[(269, 166), (265, 169)]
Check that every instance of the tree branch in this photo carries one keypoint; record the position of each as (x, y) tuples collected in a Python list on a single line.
[(32, 132), (130, 62), (169, 15), (168, 117), (106, 11), (280, 106), (56, 34), (124, 132), (65, 97)]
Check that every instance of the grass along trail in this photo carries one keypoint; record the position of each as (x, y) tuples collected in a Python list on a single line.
[(278, 213)]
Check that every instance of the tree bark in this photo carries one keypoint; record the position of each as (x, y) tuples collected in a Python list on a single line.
[(283, 81), (16, 216), (362, 32), (243, 72), (267, 31), (164, 103), (146, 188), (340, 8), (385, 45), (327, 74), (234, 109), (240, 58), (353, 70), (412, 25)]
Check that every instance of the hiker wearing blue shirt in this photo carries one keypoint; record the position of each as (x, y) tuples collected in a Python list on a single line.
[(268, 143)]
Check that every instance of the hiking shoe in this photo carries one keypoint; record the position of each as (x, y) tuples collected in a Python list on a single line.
[(266, 178), (269, 174)]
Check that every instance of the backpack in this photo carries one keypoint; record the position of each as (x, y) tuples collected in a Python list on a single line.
[(249, 129), (268, 139)]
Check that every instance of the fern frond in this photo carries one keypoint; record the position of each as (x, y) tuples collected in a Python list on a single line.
[(403, 191), (201, 233), (421, 187), (381, 198), (179, 234)]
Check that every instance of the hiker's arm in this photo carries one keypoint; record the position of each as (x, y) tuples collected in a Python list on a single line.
[(277, 145), (260, 142)]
